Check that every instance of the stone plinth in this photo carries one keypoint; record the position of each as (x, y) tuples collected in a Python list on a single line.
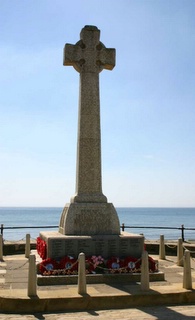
[(98, 278), (89, 219), (123, 245)]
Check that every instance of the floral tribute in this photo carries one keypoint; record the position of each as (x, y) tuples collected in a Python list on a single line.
[(41, 248), (66, 266), (94, 265)]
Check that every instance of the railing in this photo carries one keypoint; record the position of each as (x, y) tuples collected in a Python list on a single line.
[(123, 227), (182, 228), (25, 227)]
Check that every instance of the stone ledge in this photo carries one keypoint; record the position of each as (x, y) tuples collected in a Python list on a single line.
[(18, 247), (88, 302), (97, 278)]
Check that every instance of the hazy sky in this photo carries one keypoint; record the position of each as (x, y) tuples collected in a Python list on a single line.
[(147, 101)]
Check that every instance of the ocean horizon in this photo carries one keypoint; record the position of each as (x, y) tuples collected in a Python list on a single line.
[(149, 221)]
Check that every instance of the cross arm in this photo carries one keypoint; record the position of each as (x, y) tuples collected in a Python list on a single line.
[(105, 57), (108, 58), (72, 56)]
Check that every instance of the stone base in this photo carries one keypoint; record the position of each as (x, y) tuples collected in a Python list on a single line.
[(98, 278), (123, 245), (89, 219)]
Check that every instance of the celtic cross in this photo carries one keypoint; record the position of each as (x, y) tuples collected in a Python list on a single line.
[(89, 57)]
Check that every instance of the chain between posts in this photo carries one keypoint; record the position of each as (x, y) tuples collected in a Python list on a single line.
[(188, 250), (19, 267), (99, 267), (170, 246)]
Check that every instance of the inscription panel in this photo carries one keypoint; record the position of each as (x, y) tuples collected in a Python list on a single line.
[(71, 248), (85, 246), (136, 246), (113, 247), (57, 248), (124, 246), (101, 248), (106, 246)]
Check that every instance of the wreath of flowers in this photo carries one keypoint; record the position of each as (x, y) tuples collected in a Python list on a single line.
[(47, 266), (95, 264), (132, 264), (89, 265), (115, 265), (41, 248), (153, 267), (68, 263)]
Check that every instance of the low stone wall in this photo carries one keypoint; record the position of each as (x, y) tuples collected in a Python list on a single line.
[(152, 247), (10, 248)]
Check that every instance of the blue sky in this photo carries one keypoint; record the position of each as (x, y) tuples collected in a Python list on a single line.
[(147, 101)]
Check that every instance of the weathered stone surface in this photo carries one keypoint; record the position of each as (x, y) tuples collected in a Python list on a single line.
[(89, 219)]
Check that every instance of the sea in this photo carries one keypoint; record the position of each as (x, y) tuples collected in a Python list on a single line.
[(152, 222)]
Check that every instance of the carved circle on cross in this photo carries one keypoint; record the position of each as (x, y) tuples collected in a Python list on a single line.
[(80, 64)]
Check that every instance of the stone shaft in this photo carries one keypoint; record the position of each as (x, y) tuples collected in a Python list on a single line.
[(89, 57)]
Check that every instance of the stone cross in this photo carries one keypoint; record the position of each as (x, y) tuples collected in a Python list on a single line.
[(89, 57)]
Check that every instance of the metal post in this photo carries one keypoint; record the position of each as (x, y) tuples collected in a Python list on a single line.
[(2, 229), (1, 247), (182, 232)]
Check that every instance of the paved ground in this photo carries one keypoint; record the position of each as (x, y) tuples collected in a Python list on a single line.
[(145, 313), (14, 278)]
